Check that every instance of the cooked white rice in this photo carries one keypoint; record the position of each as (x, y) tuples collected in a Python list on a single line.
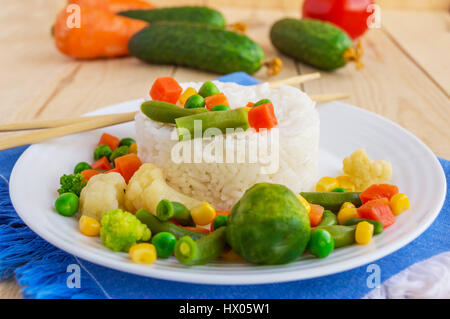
[(222, 184)]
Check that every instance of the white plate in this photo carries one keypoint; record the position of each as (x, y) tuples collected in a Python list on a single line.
[(344, 128)]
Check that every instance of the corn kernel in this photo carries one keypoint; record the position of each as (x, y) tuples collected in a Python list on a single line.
[(347, 205), (363, 233), (133, 148), (346, 183), (203, 214), (89, 226), (326, 184), (304, 202), (186, 95), (247, 109), (143, 253), (399, 203), (347, 213)]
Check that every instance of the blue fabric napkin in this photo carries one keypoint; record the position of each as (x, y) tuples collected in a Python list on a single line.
[(42, 269)]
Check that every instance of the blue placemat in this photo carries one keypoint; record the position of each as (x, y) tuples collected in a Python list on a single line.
[(47, 272)]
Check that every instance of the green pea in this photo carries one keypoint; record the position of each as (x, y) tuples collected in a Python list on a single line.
[(164, 243), (220, 107), (81, 166), (194, 102), (118, 152), (126, 141), (321, 243), (67, 204), (101, 151), (339, 190), (220, 221), (261, 102), (208, 88), (328, 218)]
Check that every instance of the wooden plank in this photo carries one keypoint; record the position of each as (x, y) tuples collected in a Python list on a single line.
[(392, 85), (431, 53)]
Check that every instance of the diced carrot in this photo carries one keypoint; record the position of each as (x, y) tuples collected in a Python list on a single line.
[(113, 170), (128, 165), (166, 89), (377, 191), (198, 229), (315, 214), (102, 164), (250, 104), (378, 209), (216, 99), (262, 117), (88, 173), (175, 222), (110, 140)]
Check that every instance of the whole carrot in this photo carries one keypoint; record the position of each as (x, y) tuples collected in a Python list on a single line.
[(98, 34), (114, 5)]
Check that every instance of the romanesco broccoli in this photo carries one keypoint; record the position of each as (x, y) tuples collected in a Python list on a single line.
[(72, 183), (120, 230)]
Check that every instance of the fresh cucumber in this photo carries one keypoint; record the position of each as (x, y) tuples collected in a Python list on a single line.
[(317, 43), (197, 46), (193, 14), (332, 200)]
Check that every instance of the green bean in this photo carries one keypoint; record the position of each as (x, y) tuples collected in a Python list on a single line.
[(377, 226), (332, 200), (342, 235), (328, 218), (201, 251), (186, 126), (167, 210), (157, 226), (167, 112)]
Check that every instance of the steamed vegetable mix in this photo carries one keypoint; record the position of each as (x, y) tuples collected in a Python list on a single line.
[(233, 119), (167, 112), (158, 226), (201, 251), (174, 211)]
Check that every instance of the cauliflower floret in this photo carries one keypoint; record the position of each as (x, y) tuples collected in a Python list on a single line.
[(103, 192), (148, 186), (364, 171), (120, 230)]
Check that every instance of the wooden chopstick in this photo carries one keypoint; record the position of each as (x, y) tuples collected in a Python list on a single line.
[(295, 80), (82, 126), (319, 98)]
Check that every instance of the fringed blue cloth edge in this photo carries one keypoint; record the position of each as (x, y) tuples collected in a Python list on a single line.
[(39, 267)]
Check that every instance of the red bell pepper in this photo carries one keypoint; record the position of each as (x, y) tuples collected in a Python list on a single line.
[(377, 191), (379, 210)]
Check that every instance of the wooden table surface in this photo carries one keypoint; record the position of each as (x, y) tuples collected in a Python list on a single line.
[(406, 77)]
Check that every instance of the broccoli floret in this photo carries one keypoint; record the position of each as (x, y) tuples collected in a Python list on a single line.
[(72, 183), (120, 230)]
